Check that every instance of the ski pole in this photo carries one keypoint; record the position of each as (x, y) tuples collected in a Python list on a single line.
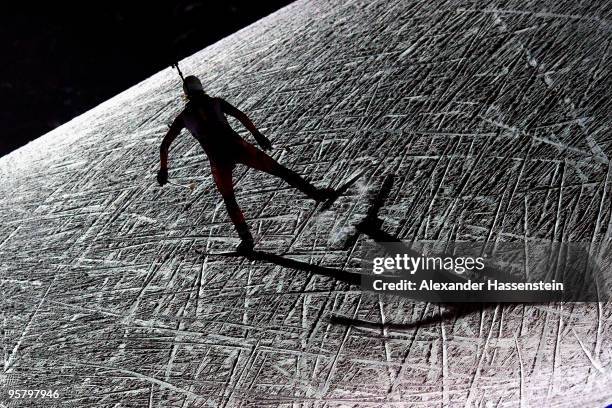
[(176, 65)]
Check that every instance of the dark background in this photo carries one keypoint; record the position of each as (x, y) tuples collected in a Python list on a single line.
[(61, 59)]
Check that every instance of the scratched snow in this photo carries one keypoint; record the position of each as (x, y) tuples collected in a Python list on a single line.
[(494, 116)]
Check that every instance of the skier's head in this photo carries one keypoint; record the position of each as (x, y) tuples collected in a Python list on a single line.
[(192, 86)]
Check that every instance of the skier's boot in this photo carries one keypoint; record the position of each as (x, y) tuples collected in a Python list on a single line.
[(245, 247), (247, 244)]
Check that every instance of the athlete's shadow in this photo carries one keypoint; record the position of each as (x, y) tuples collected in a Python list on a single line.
[(454, 310), (370, 226)]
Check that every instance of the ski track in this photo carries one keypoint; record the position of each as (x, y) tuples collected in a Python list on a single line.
[(495, 118)]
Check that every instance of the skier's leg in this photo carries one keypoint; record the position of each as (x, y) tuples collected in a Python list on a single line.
[(259, 160), (222, 174)]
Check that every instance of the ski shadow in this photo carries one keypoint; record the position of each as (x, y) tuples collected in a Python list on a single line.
[(454, 311), (269, 257)]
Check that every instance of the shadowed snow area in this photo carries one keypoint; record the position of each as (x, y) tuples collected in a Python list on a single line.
[(495, 117)]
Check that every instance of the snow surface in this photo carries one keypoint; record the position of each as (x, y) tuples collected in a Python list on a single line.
[(495, 117)]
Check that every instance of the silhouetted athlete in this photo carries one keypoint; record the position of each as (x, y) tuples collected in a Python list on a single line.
[(204, 116)]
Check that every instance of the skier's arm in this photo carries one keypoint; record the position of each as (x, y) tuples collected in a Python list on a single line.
[(238, 114), (246, 122), (173, 132)]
